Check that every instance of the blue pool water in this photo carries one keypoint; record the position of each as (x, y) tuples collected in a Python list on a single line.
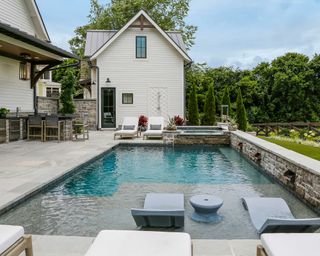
[(101, 194), (179, 165)]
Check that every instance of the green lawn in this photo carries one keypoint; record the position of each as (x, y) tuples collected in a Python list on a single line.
[(313, 152)]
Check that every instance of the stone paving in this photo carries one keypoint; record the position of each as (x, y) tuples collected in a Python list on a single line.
[(28, 165), (77, 246)]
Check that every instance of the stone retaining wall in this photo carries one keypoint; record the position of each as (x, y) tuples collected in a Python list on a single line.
[(175, 137), (48, 105), (87, 109), (300, 174), (207, 139)]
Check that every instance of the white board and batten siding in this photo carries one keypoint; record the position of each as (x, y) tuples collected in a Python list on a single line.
[(157, 82), (16, 14), (14, 92)]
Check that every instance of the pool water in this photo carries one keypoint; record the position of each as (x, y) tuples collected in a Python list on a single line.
[(102, 193)]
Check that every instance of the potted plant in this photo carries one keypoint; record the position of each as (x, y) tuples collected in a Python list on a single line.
[(4, 112), (178, 121), (143, 123), (171, 125)]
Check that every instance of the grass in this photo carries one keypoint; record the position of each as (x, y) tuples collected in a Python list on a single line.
[(307, 150)]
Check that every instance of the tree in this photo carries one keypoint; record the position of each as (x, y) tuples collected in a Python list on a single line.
[(193, 112), (168, 14), (241, 113), (209, 117), (67, 89), (226, 100), (59, 74)]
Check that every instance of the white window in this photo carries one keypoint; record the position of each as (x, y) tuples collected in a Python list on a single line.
[(127, 98), (46, 75), (53, 92)]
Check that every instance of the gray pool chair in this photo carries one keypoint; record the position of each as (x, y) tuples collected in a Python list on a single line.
[(160, 210), (271, 215)]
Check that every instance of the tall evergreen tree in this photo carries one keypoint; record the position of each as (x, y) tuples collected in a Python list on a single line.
[(241, 113), (209, 117), (226, 101), (67, 90), (193, 112)]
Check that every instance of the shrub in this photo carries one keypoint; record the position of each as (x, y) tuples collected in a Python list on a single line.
[(178, 120), (241, 113), (294, 134), (4, 112), (143, 121), (193, 112), (67, 89), (210, 107), (226, 100), (284, 132)]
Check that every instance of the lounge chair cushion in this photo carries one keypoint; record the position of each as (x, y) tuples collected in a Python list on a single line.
[(155, 126), (291, 244), (140, 243), (128, 127), (9, 235)]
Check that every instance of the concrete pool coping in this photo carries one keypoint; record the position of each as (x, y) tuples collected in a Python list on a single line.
[(77, 246)]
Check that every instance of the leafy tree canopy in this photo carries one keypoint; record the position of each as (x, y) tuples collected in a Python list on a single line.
[(168, 14), (284, 90)]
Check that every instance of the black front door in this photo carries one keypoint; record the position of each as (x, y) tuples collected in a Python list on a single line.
[(108, 108)]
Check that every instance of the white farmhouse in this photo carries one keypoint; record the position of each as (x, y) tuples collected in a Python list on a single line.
[(137, 70), (25, 54)]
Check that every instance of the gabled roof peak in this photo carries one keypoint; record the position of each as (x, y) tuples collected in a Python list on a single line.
[(113, 35)]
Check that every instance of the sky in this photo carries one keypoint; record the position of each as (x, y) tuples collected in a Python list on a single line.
[(238, 33)]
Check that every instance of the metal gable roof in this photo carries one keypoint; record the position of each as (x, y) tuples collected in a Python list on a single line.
[(95, 39)]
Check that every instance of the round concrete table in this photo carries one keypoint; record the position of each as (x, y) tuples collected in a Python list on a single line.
[(206, 207)]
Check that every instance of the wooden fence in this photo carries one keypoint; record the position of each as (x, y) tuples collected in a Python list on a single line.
[(266, 128)]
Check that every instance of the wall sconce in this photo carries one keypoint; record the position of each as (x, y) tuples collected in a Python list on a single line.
[(24, 67), (93, 82), (108, 80), (24, 70)]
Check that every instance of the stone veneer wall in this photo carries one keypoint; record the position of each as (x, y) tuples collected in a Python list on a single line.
[(87, 107), (170, 137), (47, 105), (298, 173), (208, 139)]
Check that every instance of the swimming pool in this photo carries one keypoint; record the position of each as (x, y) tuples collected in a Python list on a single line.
[(102, 193)]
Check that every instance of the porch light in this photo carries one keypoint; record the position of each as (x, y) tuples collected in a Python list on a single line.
[(108, 80), (24, 70), (25, 67)]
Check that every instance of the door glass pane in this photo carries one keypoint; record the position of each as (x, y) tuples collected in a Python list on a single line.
[(108, 108)]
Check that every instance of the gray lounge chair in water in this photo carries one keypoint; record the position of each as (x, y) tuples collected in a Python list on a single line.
[(271, 215), (160, 210)]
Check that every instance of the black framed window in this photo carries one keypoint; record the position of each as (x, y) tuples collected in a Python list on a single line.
[(127, 98), (141, 47)]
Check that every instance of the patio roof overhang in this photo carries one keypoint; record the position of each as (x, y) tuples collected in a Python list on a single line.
[(14, 42), (18, 45)]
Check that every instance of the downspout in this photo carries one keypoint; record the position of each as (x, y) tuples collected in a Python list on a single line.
[(98, 91)]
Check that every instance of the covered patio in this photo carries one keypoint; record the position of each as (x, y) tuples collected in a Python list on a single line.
[(23, 60)]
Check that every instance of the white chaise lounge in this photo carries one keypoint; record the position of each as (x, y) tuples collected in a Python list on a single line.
[(155, 127), (13, 241), (292, 244), (140, 243), (129, 128), (273, 215)]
